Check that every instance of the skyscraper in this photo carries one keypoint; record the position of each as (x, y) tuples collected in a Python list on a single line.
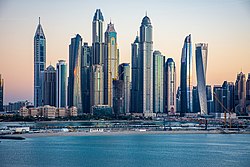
[(1, 93), (186, 77), (170, 87), (118, 98), (218, 98), (135, 75), (111, 63), (97, 38), (248, 94), (196, 104), (85, 77), (61, 84), (74, 82), (39, 63), (124, 75), (49, 90), (96, 85), (201, 52), (145, 100), (210, 106), (158, 81), (240, 94)]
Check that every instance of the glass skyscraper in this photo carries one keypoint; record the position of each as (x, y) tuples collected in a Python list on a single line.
[(145, 100), (170, 87), (49, 86), (39, 63), (135, 75), (201, 52), (124, 75), (111, 63), (240, 94), (85, 77), (186, 77), (61, 84), (74, 82), (158, 82), (1, 93)]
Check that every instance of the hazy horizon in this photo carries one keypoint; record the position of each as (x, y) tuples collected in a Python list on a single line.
[(224, 25)]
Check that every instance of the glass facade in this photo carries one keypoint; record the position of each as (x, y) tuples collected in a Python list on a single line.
[(39, 64), (1, 93), (61, 84), (201, 52), (186, 77)]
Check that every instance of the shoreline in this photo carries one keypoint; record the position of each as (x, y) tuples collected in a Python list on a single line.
[(114, 133)]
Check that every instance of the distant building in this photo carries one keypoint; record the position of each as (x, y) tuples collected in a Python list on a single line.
[(39, 63), (124, 75), (178, 100), (248, 92), (1, 93), (145, 79), (85, 77), (119, 97), (196, 103), (111, 63), (240, 94), (170, 87), (201, 52), (96, 85), (135, 75), (158, 82), (186, 77), (74, 82), (102, 110), (61, 84), (210, 106), (24, 112), (49, 86), (218, 98)]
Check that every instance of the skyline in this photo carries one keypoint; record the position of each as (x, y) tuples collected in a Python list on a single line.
[(169, 43)]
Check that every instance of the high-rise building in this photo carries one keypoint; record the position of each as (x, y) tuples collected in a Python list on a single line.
[(158, 82), (218, 98), (248, 94), (97, 38), (240, 94), (74, 82), (39, 63), (111, 63), (49, 86), (186, 77), (178, 100), (196, 104), (85, 77), (210, 106), (170, 86), (226, 95), (145, 100), (1, 93), (96, 85), (61, 84), (119, 97), (135, 75), (231, 93), (201, 52), (124, 75)]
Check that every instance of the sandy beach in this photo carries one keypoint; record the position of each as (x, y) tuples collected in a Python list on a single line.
[(50, 134)]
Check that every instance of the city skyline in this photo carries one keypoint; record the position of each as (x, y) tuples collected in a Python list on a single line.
[(218, 51)]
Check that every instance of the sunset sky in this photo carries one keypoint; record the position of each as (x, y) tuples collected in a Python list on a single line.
[(223, 24)]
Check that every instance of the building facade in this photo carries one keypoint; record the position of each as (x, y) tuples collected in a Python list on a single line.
[(158, 82), (1, 93), (61, 84), (119, 97), (170, 87), (145, 99), (39, 63), (201, 52), (135, 75), (85, 77), (218, 98), (111, 63), (124, 75), (240, 94), (186, 77), (74, 82), (49, 86)]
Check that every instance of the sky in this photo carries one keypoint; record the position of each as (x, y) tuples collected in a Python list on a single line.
[(224, 25)]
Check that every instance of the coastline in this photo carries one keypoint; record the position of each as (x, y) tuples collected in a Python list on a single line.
[(113, 133)]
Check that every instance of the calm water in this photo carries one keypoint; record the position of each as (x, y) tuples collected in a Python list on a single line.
[(129, 150)]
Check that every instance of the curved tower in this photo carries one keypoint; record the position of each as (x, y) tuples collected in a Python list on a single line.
[(146, 68), (39, 63), (74, 86), (186, 77), (201, 51)]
